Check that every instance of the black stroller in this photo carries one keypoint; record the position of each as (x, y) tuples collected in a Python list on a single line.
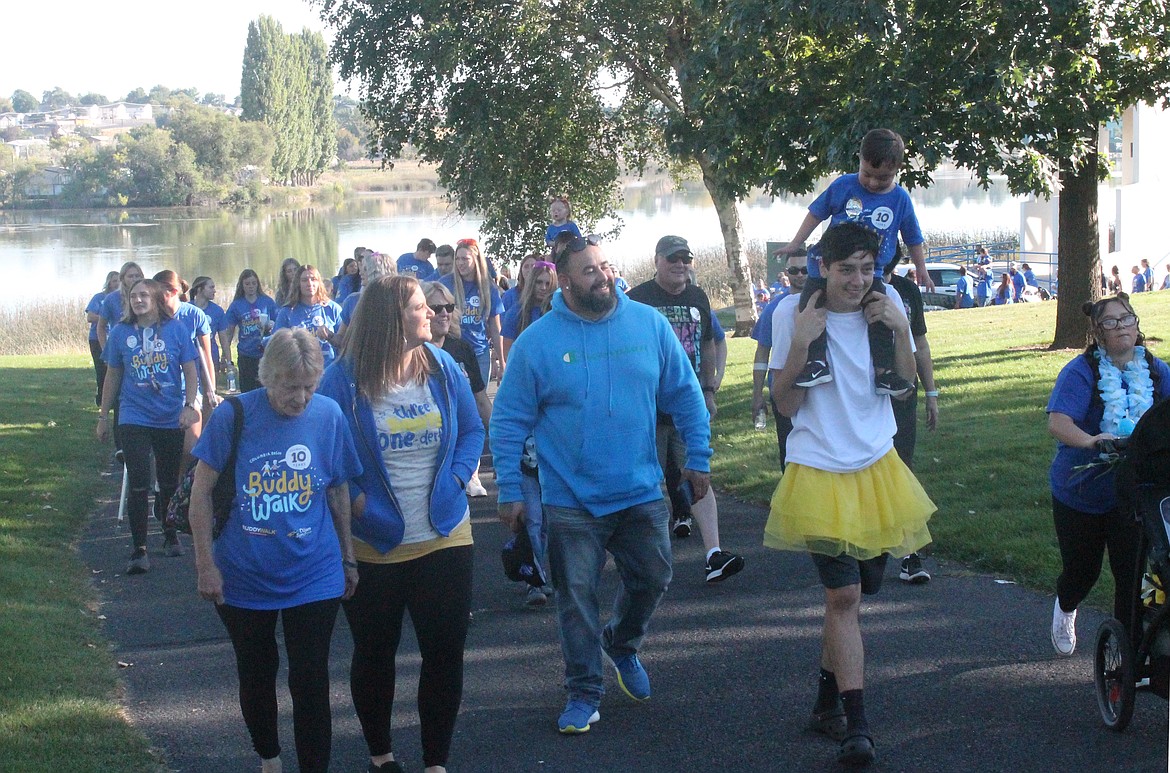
[(1124, 659)]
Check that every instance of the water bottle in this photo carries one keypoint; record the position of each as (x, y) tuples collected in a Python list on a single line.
[(233, 380), (761, 420)]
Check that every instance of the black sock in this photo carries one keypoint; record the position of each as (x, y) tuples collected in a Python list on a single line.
[(854, 711), (827, 695)]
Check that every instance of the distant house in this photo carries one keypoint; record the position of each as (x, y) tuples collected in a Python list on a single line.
[(47, 183), (126, 111), (8, 120), (28, 148)]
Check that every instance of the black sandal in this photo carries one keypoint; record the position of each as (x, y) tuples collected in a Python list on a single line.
[(857, 750), (830, 722)]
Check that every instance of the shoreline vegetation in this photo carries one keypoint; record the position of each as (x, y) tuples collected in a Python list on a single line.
[(985, 467)]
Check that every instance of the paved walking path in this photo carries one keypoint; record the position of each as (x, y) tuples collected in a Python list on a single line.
[(960, 674)]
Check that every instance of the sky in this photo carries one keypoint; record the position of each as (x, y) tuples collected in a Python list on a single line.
[(112, 48)]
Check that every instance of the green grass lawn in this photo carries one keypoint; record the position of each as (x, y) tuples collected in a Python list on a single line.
[(986, 466), (58, 687)]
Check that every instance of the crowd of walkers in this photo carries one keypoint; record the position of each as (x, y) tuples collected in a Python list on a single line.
[(339, 476)]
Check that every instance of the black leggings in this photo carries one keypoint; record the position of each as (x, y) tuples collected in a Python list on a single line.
[(881, 338), (249, 368), (137, 444), (308, 629), (99, 368), (1083, 538), (436, 590)]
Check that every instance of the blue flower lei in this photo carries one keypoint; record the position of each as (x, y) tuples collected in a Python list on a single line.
[(1126, 399)]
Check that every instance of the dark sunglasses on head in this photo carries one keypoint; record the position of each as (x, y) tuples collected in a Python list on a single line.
[(685, 258), (798, 269), (447, 307), (581, 242)]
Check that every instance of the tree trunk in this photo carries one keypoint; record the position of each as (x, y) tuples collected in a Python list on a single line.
[(741, 274), (1078, 252)]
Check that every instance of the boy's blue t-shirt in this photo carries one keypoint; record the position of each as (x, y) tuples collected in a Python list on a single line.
[(279, 548), (422, 270), (890, 214), (249, 327), (152, 361), (94, 307), (472, 320), (318, 315), (963, 292), (551, 233)]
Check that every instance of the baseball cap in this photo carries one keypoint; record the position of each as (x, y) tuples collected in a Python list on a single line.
[(669, 245)]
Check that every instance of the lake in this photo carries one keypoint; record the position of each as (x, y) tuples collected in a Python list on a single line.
[(66, 254)]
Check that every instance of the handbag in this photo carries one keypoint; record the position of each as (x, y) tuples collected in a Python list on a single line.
[(179, 510)]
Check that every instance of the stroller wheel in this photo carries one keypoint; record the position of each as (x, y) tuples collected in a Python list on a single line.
[(1113, 672)]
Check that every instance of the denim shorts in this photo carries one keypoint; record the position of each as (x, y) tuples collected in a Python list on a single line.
[(842, 571)]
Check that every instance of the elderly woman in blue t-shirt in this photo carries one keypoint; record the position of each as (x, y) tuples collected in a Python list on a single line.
[(285, 550), (1100, 395)]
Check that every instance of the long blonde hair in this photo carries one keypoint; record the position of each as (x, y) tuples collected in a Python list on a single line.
[(375, 344), (482, 279)]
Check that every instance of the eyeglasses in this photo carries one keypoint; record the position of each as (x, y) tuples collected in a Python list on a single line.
[(447, 307), (798, 269), (1112, 323), (581, 242), (685, 258)]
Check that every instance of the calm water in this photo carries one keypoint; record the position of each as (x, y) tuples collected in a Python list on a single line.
[(67, 254)]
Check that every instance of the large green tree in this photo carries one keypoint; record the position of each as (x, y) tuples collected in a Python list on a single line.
[(287, 83), (517, 99), (24, 102), (1019, 88)]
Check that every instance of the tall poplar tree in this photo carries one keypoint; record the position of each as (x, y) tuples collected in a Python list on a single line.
[(288, 84)]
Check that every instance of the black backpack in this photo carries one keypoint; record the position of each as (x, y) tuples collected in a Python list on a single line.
[(179, 510)]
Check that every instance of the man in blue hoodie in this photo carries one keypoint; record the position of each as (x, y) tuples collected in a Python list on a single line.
[(588, 379)]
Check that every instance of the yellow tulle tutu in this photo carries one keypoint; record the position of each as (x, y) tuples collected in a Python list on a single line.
[(881, 509)]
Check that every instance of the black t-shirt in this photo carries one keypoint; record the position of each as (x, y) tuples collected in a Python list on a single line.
[(689, 314), (912, 301), (465, 356)]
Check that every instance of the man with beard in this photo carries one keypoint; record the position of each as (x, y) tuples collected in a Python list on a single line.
[(688, 310), (585, 379)]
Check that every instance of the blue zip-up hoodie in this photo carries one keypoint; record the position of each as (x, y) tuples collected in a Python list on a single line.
[(381, 524), (590, 392)]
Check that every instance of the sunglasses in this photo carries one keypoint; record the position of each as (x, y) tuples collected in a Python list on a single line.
[(1111, 323), (798, 269), (447, 307), (685, 258), (581, 242)]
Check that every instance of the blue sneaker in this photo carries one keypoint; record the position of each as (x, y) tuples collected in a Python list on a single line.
[(632, 677), (577, 717)]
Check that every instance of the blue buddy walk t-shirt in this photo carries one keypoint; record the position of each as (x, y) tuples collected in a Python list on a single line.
[(152, 361), (473, 319), (249, 322), (890, 213), (279, 548), (320, 315)]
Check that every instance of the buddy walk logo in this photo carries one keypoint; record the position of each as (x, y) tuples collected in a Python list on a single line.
[(281, 486)]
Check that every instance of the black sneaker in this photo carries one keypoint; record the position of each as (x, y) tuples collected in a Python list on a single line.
[(814, 372), (171, 546), (722, 565), (139, 562), (890, 383), (682, 527), (912, 570)]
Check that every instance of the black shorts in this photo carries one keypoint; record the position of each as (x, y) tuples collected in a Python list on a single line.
[(842, 571)]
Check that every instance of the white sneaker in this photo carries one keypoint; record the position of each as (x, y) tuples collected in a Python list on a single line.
[(1064, 630), (475, 488)]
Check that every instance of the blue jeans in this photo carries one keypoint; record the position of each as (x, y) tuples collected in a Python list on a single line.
[(638, 539), (534, 521)]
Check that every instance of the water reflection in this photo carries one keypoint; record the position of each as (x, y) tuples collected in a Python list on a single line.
[(76, 248)]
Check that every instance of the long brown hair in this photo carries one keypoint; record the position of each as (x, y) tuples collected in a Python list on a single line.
[(158, 295), (374, 342), (528, 300), (284, 286), (295, 292)]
